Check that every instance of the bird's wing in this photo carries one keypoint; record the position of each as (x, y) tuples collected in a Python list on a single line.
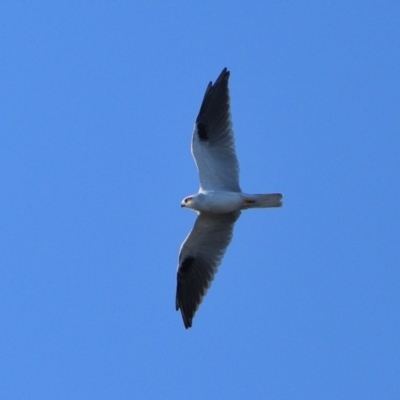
[(213, 145), (199, 258)]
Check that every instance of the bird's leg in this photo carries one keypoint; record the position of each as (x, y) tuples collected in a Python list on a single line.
[(248, 202)]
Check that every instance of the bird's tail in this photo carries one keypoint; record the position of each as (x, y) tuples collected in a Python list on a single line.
[(262, 200)]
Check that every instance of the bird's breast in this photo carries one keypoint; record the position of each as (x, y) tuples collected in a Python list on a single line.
[(220, 202)]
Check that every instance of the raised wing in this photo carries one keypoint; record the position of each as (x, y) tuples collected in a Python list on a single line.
[(200, 256), (213, 145)]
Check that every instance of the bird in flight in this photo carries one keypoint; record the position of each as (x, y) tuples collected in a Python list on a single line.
[(218, 202)]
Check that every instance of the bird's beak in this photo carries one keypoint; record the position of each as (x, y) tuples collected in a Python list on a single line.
[(182, 205)]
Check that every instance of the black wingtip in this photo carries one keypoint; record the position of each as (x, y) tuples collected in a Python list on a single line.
[(215, 97), (188, 324), (185, 268), (187, 321), (224, 75)]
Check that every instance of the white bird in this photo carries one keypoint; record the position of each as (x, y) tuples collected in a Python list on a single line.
[(218, 202)]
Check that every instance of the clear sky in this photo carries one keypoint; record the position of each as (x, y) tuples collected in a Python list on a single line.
[(98, 101)]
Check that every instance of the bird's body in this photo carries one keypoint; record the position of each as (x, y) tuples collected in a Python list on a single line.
[(218, 202), (221, 201)]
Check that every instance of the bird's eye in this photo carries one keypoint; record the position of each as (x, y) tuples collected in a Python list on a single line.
[(187, 200)]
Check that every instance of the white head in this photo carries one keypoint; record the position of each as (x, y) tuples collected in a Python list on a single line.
[(192, 202), (188, 202)]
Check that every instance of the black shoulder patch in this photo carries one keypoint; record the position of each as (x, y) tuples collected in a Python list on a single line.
[(186, 265), (202, 131)]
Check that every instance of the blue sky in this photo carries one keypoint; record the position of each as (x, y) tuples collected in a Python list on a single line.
[(98, 101)]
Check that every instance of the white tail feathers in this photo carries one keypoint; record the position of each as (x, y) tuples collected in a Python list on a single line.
[(262, 200)]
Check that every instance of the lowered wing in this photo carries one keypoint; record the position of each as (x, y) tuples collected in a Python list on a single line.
[(199, 258)]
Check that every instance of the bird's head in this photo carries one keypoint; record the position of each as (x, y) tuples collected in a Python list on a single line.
[(187, 202)]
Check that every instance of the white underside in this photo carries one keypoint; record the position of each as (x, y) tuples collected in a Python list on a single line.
[(220, 202), (217, 201)]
